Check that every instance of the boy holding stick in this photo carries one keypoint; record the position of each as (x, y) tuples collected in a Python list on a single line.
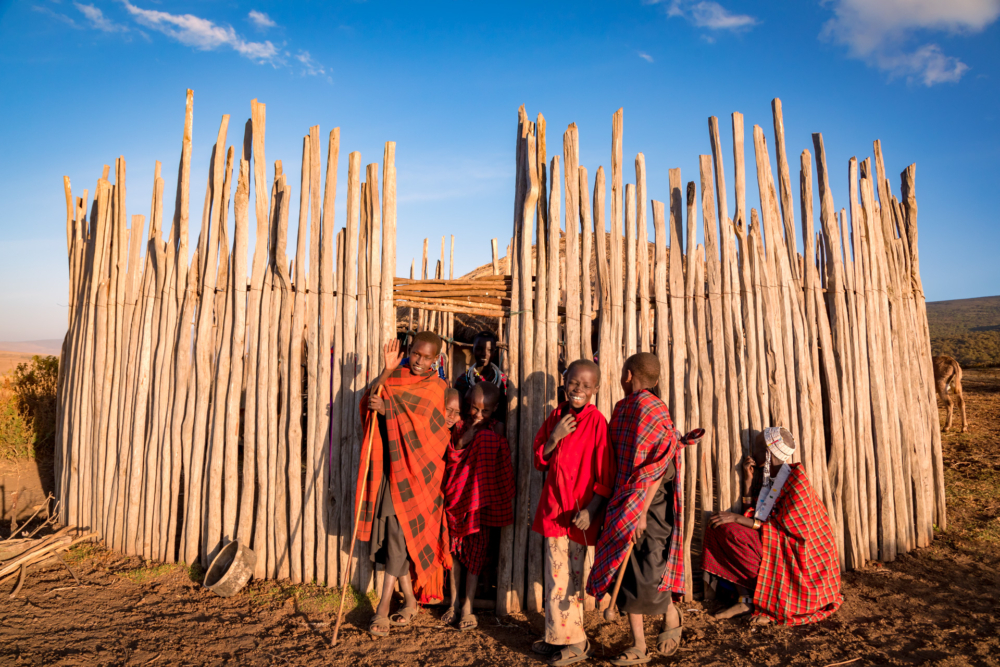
[(478, 495), (573, 447), (642, 531), (402, 504)]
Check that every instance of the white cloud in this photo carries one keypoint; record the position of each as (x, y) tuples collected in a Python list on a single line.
[(310, 66), (56, 15), (202, 34), (261, 20), (645, 56), (881, 33), (707, 14), (98, 19)]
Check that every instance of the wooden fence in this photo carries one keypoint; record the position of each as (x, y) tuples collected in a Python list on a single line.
[(209, 401)]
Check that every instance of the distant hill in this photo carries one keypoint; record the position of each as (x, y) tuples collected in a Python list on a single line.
[(52, 346), (967, 329)]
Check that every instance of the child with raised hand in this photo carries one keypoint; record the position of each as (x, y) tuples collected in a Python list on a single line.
[(478, 495), (645, 509), (572, 446)]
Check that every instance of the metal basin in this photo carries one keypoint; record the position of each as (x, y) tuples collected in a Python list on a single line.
[(231, 570)]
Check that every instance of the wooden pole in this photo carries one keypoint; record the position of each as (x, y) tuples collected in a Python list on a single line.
[(311, 291), (692, 405), (607, 359), (642, 254), (631, 281), (615, 257), (587, 311), (571, 164)]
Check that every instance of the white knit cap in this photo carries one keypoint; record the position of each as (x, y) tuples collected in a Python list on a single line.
[(777, 445)]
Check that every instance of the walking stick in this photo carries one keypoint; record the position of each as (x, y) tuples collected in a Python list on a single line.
[(610, 614), (357, 519)]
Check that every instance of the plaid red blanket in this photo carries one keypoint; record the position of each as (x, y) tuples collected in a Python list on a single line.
[(645, 441), (418, 438), (799, 578), (479, 486)]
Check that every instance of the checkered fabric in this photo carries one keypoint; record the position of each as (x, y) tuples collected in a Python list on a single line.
[(799, 579), (732, 552), (645, 441), (479, 483), (418, 439), (472, 551)]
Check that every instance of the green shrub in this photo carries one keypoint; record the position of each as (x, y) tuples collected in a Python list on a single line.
[(28, 408)]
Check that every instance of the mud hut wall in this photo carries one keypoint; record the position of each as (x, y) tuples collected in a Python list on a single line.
[(226, 434)]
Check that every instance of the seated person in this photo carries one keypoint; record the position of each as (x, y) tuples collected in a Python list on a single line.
[(781, 554)]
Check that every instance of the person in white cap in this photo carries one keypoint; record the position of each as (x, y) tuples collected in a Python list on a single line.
[(780, 554)]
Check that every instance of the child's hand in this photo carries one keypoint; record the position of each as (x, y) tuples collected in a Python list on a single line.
[(582, 519), (565, 426), (640, 528), (376, 404), (393, 355)]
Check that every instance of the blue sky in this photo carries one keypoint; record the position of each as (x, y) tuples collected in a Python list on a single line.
[(85, 82)]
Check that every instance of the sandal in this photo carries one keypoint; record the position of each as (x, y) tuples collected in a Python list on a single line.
[(542, 647), (449, 616), (569, 655), (640, 657), (403, 617), (379, 621), (671, 634), (468, 622)]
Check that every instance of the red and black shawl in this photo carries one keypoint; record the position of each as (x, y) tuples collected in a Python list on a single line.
[(479, 484), (799, 578), (645, 442), (418, 440)]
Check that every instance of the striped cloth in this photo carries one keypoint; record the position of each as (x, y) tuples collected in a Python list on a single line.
[(645, 441), (799, 578), (418, 439)]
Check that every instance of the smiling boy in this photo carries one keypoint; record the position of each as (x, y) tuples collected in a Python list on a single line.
[(403, 504), (572, 446)]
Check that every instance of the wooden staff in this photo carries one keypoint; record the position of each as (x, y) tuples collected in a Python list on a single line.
[(610, 614), (357, 520)]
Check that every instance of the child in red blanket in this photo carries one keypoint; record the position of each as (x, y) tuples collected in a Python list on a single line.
[(572, 446), (478, 495), (645, 509)]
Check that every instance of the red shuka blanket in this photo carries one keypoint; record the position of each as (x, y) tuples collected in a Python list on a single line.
[(645, 441), (418, 438), (799, 578), (479, 486)]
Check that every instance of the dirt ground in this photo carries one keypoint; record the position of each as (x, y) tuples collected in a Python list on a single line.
[(937, 606)]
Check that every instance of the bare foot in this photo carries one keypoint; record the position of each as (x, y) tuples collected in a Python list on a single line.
[(737, 609)]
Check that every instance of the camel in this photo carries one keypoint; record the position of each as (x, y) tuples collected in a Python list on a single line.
[(947, 373)]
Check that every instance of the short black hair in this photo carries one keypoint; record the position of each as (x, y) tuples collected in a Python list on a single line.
[(585, 363), (451, 392), (488, 335), (491, 393), (427, 337), (644, 366)]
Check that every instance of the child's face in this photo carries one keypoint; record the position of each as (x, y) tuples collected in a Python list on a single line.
[(452, 411), (479, 411), (581, 383), (422, 358)]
